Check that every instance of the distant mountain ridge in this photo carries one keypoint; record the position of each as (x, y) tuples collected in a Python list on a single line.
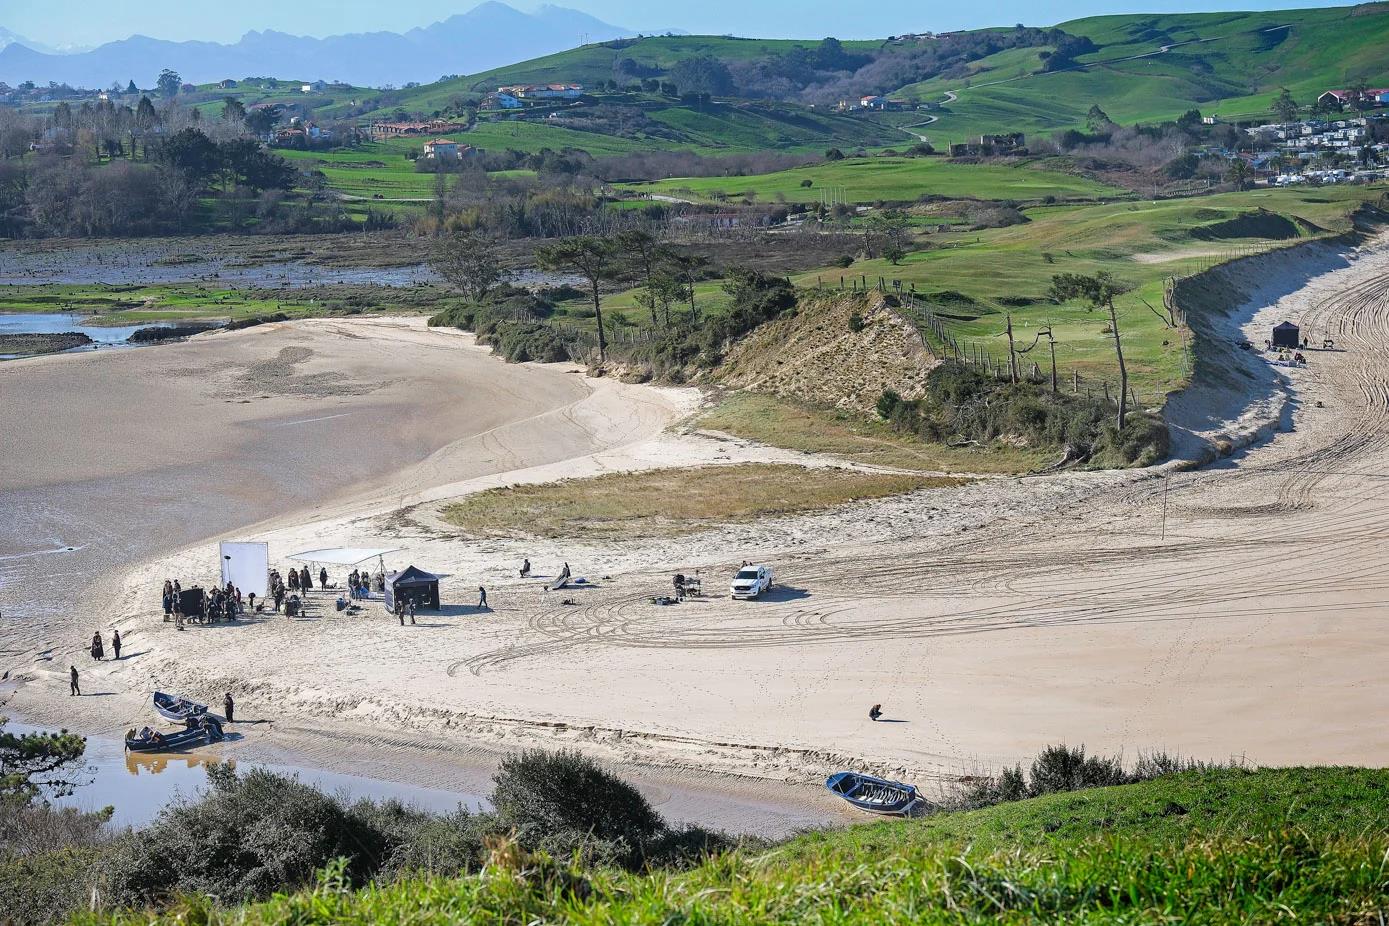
[(488, 36)]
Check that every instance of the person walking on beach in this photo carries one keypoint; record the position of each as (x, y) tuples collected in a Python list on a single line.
[(98, 651), (116, 643), (482, 599), (72, 682), (228, 707)]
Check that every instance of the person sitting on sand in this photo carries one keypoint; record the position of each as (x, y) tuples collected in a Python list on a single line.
[(875, 712), (525, 568)]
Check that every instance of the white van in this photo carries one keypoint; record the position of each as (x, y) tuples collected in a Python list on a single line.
[(751, 581)]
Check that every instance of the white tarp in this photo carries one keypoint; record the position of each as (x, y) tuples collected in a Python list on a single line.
[(341, 556), (247, 566)]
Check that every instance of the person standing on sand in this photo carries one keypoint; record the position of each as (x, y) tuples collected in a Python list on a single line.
[(72, 682), (116, 643), (305, 581), (98, 651), (482, 599), (294, 580), (412, 610), (322, 576), (228, 707)]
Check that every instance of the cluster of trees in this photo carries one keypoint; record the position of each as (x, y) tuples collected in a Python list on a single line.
[(472, 263), (100, 168), (56, 195)]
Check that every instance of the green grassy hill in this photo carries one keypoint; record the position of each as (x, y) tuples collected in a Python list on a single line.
[(1232, 64), (590, 64), (1209, 847)]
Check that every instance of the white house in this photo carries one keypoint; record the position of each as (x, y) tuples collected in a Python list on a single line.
[(441, 149)]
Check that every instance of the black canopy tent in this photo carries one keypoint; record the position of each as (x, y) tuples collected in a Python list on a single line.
[(192, 602), (411, 584), (1286, 335)]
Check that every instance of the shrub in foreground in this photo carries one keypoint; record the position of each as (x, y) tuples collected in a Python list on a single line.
[(564, 801), (253, 834)]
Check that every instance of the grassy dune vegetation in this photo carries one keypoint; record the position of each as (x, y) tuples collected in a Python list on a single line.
[(868, 180), (1234, 67), (798, 426), (673, 501), (1214, 847), (975, 280)]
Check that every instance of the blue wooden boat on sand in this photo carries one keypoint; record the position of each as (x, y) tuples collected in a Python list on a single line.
[(874, 795)]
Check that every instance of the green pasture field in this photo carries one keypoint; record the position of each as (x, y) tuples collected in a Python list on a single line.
[(889, 179)]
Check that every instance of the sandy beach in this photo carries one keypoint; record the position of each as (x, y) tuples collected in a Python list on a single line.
[(1235, 609)]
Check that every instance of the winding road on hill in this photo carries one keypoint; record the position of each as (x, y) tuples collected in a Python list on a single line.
[(952, 96)]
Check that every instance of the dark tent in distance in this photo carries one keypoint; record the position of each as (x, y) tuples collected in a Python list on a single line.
[(192, 601), (411, 584), (1286, 335)]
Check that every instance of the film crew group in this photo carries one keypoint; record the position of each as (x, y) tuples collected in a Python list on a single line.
[(195, 605)]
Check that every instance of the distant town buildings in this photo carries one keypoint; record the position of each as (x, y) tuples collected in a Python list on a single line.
[(542, 91), (379, 130)]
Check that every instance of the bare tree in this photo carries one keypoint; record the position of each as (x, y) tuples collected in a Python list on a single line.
[(469, 262)]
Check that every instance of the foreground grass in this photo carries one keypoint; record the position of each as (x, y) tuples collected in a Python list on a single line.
[(791, 425), (670, 501), (1232, 846)]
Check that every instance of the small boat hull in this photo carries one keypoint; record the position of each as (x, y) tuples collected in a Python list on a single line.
[(172, 707), (873, 795), (171, 742)]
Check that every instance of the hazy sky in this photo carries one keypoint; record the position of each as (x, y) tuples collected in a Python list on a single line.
[(91, 22)]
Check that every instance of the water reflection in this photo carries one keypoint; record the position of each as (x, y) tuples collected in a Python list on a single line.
[(144, 763), (139, 786)]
